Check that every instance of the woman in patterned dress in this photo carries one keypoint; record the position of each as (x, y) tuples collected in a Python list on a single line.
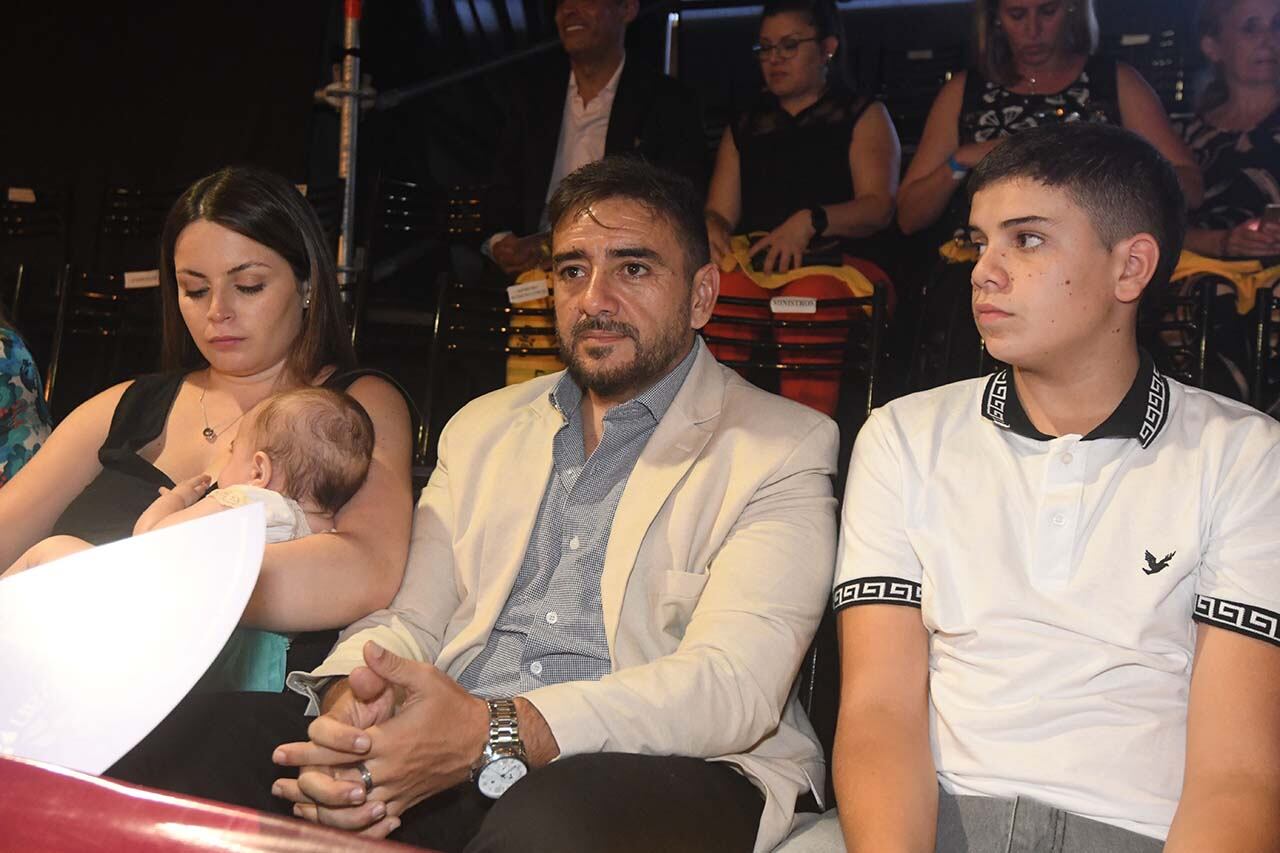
[(1235, 134), (24, 417), (1035, 65), (1235, 138)]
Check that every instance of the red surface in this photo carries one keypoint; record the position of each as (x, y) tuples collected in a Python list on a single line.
[(54, 810), (352, 9)]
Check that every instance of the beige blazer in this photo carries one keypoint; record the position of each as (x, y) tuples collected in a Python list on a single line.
[(717, 571)]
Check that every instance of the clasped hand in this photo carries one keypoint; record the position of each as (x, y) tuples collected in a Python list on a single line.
[(413, 727)]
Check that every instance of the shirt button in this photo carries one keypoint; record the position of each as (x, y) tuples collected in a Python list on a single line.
[(552, 618), (535, 668), (574, 543), (1066, 458), (1059, 519)]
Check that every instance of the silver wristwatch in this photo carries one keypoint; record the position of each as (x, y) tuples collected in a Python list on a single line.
[(503, 762)]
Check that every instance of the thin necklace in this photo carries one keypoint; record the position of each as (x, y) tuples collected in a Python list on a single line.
[(210, 434), (1032, 80)]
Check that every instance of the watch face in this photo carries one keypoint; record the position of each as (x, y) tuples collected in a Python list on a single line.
[(499, 775)]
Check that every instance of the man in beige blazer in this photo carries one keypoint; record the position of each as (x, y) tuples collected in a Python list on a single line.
[(714, 575)]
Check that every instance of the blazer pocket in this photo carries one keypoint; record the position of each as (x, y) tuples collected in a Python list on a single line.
[(680, 594)]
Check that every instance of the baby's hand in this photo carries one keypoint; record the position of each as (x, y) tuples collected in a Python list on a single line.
[(189, 491)]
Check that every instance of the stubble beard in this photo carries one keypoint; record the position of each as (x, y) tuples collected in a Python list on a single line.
[(649, 364)]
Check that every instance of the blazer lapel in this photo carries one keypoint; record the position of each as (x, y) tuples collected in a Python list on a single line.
[(545, 119), (627, 114), (511, 508), (675, 445)]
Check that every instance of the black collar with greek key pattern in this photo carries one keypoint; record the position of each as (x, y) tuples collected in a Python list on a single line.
[(1141, 414)]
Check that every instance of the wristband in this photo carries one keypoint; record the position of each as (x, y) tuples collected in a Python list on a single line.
[(818, 218), (957, 171)]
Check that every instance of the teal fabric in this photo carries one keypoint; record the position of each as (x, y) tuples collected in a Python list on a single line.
[(252, 661), (24, 418)]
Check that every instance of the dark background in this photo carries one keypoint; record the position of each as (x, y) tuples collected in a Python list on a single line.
[(152, 95), (156, 94)]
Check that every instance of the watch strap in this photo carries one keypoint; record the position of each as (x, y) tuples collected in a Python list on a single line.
[(504, 725), (818, 216)]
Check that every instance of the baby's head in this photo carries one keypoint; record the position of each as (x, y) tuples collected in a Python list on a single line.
[(311, 444)]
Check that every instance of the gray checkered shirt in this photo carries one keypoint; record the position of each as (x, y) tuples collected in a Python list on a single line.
[(551, 629)]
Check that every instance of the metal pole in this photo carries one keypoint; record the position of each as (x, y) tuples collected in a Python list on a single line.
[(349, 134)]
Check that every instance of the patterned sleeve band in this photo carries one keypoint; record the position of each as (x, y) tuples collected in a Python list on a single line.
[(880, 590), (1241, 618)]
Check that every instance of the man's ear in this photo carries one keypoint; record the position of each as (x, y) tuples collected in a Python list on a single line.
[(631, 8), (1137, 258), (705, 290), (260, 470)]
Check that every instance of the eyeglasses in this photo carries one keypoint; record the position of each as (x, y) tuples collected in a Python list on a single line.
[(785, 49)]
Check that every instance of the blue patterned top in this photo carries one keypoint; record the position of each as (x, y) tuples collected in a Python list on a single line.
[(24, 417)]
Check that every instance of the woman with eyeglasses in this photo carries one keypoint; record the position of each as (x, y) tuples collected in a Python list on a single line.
[(812, 158), (809, 167), (1035, 64)]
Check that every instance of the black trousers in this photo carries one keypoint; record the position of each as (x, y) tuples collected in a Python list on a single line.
[(219, 747), (611, 801)]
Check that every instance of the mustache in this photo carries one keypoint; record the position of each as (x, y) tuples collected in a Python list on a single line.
[(602, 324)]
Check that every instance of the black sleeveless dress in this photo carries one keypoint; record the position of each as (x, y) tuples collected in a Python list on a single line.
[(789, 163), (111, 504)]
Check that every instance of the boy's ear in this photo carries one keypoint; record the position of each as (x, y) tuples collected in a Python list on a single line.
[(261, 470), (1137, 258)]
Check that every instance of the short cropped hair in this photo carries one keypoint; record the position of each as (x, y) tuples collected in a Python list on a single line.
[(666, 195), (320, 439), (1123, 184)]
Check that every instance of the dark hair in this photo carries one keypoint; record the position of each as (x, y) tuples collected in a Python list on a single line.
[(321, 440), (994, 56), (1122, 183), (267, 209), (666, 195), (825, 19), (1213, 93)]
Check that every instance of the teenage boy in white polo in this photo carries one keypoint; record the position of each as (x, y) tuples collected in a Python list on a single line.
[(1058, 585)]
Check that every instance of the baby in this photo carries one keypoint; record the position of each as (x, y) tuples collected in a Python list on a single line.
[(302, 454)]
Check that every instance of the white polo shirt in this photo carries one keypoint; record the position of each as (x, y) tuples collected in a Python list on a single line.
[(1059, 579)]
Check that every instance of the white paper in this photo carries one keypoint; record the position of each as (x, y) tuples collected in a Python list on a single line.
[(98, 647), (793, 305), (528, 291), (141, 278), (1135, 39)]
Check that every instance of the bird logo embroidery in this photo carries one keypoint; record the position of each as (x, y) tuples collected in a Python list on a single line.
[(1153, 566)]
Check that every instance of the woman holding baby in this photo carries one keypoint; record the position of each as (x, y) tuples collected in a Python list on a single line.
[(251, 309)]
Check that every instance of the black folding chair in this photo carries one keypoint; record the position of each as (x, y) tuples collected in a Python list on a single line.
[(476, 332), (108, 315)]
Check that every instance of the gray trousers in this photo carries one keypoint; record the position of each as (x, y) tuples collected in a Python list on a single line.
[(989, 825)]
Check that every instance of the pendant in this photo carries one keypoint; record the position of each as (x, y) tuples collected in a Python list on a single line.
[(209, 435)]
